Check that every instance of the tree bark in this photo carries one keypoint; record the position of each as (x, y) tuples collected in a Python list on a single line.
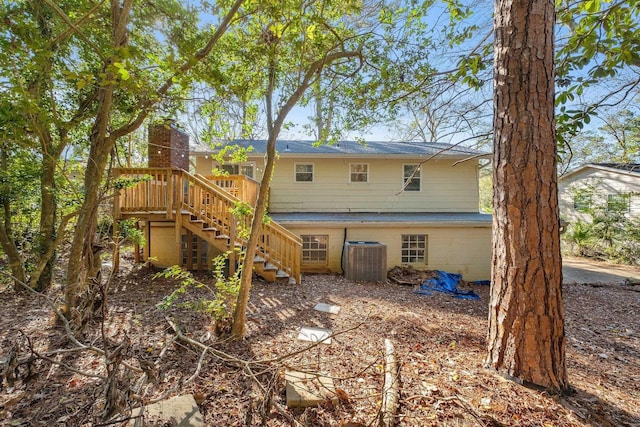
[(48, 217), (82, 262), (82, 255), (274, 128), (7, 241), (526, 317)]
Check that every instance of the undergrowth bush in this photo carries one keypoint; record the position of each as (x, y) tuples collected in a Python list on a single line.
[(219, 301), (609, 236)]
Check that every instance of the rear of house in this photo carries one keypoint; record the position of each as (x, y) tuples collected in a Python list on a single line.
[(418, 201)]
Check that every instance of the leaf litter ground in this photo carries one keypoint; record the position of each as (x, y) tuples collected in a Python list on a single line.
[(439, 341)]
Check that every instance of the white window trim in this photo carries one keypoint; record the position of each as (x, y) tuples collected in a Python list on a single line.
[(419, 177), (295, 173), (358, 182)]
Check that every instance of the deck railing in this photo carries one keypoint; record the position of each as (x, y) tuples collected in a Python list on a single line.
[(174, 192), (241, 186), (146, 190)]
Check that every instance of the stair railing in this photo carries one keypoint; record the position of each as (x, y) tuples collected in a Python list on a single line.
[(174, 192)]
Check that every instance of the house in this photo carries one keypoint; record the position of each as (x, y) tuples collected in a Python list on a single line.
[(413, 203), (613, 187)]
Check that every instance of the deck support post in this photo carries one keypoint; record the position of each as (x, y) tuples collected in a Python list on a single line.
[(147, 246), (178, 228), (170, 196), (136, 247), (116, 246)]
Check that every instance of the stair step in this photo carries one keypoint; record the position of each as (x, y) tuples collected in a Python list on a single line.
[(209, 229), (292, 281), (282, 274), (269, 266), (258, 259), (222, 236), (196, 221)]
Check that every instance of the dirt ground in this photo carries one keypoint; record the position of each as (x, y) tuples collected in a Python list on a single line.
[(439, 340)]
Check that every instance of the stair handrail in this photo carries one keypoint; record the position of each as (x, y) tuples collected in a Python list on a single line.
[(266, 249)]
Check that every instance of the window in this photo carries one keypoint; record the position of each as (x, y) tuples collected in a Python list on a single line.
[(582, 202), (411, 178), (247, 170), (231, 169), (190, 252), (314, 249), (358, 172), (237, 169), (304, 172), (620, 202), (414, 248)]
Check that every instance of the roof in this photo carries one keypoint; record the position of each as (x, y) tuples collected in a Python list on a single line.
[(632, 169), (437, 219), (298, 148), (628, 167)]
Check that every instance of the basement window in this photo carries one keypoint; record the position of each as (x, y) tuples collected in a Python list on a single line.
[(414, 248), (314, 249), (194, 253)]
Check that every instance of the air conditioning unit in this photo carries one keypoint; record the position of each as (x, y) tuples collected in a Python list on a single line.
[(365, 261)]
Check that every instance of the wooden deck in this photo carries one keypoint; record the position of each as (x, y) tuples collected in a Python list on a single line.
[(204, 206)]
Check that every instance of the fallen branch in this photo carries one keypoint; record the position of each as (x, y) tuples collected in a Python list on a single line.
[(245, 365), (390, 394), (67, 327), (483, 420)]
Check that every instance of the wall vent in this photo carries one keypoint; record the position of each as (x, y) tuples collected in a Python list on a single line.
[(365, 261)]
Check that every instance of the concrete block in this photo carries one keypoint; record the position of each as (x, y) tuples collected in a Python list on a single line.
[(315, 334), (180, 411), (327, 308), (307, 389)]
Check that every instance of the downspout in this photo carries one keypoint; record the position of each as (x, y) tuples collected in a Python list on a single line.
[(344, 242)]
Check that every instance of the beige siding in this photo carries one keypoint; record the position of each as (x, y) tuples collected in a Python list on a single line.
[(163, 247), (204, 166), (164, 250), (443, 188), (454, 249), (605, 183)]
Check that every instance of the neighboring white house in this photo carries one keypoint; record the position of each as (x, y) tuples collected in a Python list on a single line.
[(607, 186)]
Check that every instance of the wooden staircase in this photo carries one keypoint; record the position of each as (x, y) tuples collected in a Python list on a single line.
[(204, 206)]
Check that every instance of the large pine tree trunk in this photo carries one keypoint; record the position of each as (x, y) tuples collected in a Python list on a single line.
[(526, 317)]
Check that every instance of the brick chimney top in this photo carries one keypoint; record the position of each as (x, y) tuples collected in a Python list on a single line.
[(168, 146)]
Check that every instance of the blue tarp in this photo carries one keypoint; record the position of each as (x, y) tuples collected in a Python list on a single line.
[(446, 283)]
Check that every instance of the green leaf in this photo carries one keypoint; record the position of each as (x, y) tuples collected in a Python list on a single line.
[(124, 74)]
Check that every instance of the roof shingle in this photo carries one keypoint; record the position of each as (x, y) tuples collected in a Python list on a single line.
[(292, 147)]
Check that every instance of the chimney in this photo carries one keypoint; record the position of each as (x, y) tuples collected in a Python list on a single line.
[(168, 147)]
